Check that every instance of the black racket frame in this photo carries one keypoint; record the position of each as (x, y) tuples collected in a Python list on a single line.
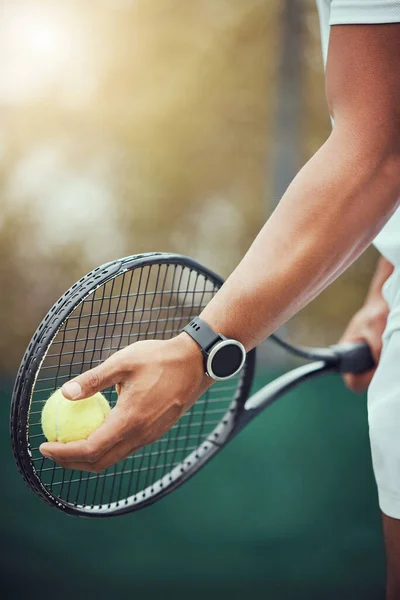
[(351, 357)]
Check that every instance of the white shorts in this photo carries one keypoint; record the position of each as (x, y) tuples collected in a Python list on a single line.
[(384, 407)]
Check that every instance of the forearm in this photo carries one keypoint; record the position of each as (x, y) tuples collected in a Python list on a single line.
[(383, 271), (330, 213)]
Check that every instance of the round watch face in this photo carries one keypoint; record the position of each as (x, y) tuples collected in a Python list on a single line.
[(225, 359)]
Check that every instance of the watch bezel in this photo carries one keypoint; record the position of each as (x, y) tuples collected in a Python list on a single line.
[(213, 352)]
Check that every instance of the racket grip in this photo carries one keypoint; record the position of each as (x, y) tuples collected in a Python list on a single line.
[(354, 357)]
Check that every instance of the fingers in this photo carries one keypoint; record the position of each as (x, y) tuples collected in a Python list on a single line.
[(359, 383), (95, 380), (115, 455), (152, 395), (111, 433)]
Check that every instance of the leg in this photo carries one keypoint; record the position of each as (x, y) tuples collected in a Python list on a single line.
[(384, 425), (391, 528)]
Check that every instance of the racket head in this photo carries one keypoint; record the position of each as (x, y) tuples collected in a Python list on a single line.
[(148, 296)]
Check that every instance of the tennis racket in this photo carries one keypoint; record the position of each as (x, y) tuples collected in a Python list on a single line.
[(148, 296)]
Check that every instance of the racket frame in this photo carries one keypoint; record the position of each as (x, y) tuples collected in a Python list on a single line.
[(335, 359), (35, 355)]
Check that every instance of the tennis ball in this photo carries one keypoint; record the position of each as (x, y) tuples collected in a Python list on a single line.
[(70, 420)]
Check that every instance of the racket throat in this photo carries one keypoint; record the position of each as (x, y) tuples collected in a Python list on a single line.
[(283, 384)]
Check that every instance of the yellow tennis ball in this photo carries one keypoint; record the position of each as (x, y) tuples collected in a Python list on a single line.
[(70, 420)]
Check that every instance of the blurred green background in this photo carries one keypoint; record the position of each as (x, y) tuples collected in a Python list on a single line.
[(168, 125), (287, 511)]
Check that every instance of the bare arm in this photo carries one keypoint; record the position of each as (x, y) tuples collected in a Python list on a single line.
[(383, 271), (337, 203), (330, 213), (391, 530), (368, 324)]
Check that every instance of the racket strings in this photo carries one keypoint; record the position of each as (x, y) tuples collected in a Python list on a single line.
[(150, 302)]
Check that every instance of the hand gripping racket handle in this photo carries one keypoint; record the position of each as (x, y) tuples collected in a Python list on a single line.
[(350, 357), (353, 357)]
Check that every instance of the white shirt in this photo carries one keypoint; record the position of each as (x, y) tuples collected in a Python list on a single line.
[(342, 12)]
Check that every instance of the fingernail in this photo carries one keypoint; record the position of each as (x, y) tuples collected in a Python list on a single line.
[(47, 455), (71, 390)]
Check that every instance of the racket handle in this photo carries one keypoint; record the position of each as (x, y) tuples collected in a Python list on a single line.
[(354, 357)]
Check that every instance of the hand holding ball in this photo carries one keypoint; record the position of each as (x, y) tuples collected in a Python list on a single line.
[(71, 420)]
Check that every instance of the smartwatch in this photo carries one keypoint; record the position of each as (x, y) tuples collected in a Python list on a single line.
[(223, 357)]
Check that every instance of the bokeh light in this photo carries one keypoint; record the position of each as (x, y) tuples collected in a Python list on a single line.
[(41, 44)]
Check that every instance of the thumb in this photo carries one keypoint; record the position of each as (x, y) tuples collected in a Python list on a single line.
[(95, 380)]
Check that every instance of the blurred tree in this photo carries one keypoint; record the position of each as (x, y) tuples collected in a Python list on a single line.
[(152, 134), (288, 111), (151, 129)]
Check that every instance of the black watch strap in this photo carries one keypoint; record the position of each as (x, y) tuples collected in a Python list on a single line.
[(202, 333)]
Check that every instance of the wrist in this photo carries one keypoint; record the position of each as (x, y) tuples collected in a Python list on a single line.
[(375, 297), (230, 328), (188, 346), (373, 313), (223, 357), (190, 353), (383, 272)]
